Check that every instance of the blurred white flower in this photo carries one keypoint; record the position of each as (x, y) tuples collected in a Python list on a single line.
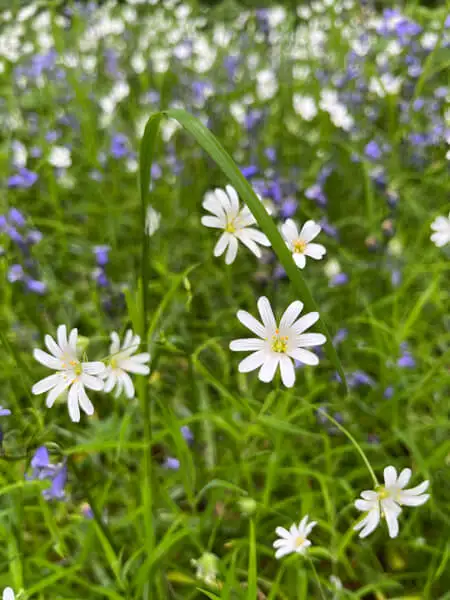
[(429, 40), (60, 157), (152, 221), (304, 106), (70, 373), (441, 228), (294, 540), (278, 345), (300, 243), (386, 501), (235, 222), (384, 85), (266, 84), (8, 594), (123, 361)]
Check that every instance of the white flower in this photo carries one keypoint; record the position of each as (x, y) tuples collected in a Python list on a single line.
[(278, 344), (8, 594), (294, 540), (299, 243), (152, 222), (71, 373), (60, 157), (122, 360), (266, 84), (228, 215), (304, 106), (387, 500), (441, 228)]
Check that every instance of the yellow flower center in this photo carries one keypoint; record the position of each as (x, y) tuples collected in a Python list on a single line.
[(76, 366), (299, 246), (113, 363), (279, 342), (299, 541), (383, 493), (230, 228)]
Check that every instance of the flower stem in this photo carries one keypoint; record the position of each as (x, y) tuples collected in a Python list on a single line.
[(355, 444), (316, 577)]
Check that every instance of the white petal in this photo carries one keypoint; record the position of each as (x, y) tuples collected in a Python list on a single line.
[(53, 346), (310, 527), (404, 477), (289, 231), (143, 357), (257, 236), (310, 340), (115, 343), (390, 476), (47, 383), (252, 362), (439, 223), (251, 323), (246, 345), (299, 260), (283, 533), (232, 250), (419, 489), (61, 334), (134, 367), (304, 356), (363, 505), (369, 495), (280, 543), (110, 382), (309, 231), (127, 383), (234, 199), (47, 360), (93, 368), (84, 401), (283, 551), (56, 392), (305, 322), (291, 314), (405, 499), (214, 222), (221, 245), (73, 338), (248, 242), (8, 594), (72, 402), (370, 523), (267, 371), (266, 314), (391, 521), (91, 382), (287, 371), (212, 204), (222, 196), (316, 251), (128, 339)]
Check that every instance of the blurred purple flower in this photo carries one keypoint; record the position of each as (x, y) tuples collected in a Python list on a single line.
[(389, 392), (15, 273), (23, 179), (35, 286), (338, 279), (171, 463), (44, 469), (249, 171), (187, 434), (340, 336), (4, 412), (288, 208), (316, 193), (16, 217), (119, 146), (102, 254), (373, 150)]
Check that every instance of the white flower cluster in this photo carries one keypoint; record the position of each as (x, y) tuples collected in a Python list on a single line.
[(73, 376)]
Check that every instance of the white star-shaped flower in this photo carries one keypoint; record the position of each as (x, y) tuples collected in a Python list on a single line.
[(294, 540), (235, 222), (441, 228), (278, 344), (386, 501), (123, 361), (71, 373), (300, 243)]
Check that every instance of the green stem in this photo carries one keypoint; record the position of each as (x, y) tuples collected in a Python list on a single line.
[(355, 444), (316, 577)]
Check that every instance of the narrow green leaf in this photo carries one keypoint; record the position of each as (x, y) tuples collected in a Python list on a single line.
[(252, 590)]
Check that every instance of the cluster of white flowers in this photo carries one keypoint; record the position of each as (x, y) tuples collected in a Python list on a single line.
[(73, 376)]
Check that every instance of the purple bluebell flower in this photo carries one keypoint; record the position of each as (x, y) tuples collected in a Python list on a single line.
[(35, 152), (35, 286), (288, 208), (52, 136), (16, 217), (406, 361), (15, 273), (338, 279), (358, 378), (373, 150), (396, 277), (392, 198), (96, 175), (3, 223), (171, 463), (187, 434), (43, 469), (340, 336), (86, 511), (4, 412), (23, 179), (328, 229), (316, 193), (250, 171), (271, 154), (34, 236), (119, 146), (102, 254), (279, 272), (389, 392), (156, 171), (100, 277), (14, 235)]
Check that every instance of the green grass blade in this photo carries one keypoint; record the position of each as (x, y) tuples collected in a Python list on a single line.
[(252, 590)]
